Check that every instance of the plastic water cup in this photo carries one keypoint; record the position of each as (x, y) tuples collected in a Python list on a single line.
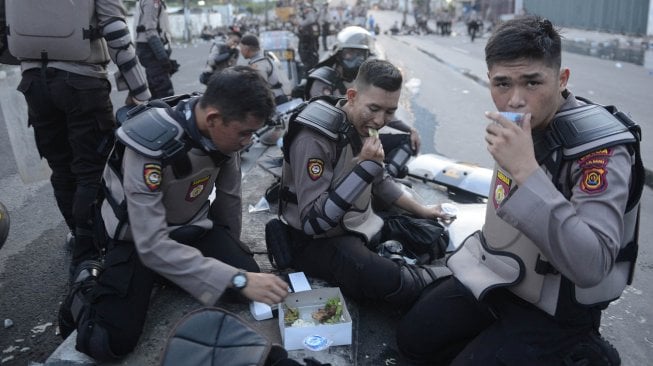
[(513, 116)]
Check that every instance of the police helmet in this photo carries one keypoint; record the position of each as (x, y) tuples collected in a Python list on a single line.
[(353, 46), (4, 224)]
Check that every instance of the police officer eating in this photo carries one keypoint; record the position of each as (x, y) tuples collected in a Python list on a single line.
[(559, 240), (333, 166), (159, 220)]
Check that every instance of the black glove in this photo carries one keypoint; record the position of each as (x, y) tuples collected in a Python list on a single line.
[(174, 66), (205, 76)]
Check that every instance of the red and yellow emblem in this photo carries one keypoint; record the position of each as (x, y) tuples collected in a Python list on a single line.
[(152, 176), (315, 168), (594, 180), (594, 166), (501, 188), (196, 188)]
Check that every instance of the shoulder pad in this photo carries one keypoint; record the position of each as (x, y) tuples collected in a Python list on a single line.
[(325, 74), (323, 117), (588, 128), (154, 133)]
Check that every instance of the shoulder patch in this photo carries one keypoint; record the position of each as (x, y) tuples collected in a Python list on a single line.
[(196, 188), (315, 168), (595, 158), (594, 180), (152, 176)]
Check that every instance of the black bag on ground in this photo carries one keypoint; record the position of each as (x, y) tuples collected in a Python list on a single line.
[(423, 239)]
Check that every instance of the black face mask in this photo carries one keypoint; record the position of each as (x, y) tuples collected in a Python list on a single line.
[(351, 60), (350, 67)]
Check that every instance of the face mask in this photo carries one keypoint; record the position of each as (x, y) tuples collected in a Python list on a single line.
[(350, 67)]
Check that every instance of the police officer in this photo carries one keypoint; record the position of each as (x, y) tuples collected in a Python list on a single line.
[(153, 46), (158, 217), (308, 33), (223, 53), (66, 86), (251, 51), (560, 238), (332, 168), (335, 74)]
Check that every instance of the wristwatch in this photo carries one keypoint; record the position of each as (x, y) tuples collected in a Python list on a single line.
[(239, 281)]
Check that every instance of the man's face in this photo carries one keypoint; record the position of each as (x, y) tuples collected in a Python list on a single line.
[(233, 41), (371, 108), (528, 86), (246, 51), (232, 136)]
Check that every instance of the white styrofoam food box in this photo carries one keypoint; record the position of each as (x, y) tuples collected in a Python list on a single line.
[(307, 302)]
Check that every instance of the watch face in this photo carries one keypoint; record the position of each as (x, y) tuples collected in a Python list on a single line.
[(239, 281)]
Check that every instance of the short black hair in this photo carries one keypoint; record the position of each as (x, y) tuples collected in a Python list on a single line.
[(379, 73), (239, 92), (528, 37)]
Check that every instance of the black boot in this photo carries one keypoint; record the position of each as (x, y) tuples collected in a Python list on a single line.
[(85, 279), (592, 350), (414, 278)]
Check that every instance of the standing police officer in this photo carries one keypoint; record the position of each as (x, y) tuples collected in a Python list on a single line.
[(308, 33), (560, 236), (64, 47), (153, 46), (158, 217)]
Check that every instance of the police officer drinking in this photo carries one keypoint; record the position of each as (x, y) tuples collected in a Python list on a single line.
[(560, 235)]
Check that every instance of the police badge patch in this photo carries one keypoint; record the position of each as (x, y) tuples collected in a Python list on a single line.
[(152, 176), (315, 168), (594, 166), (501, 188), (196, 188)]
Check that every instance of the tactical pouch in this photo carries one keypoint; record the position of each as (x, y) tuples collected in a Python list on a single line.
[(278, 243)]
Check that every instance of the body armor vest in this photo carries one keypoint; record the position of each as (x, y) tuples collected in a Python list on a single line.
[(360, 217), (156, 134), (501, 256), (56, 31)]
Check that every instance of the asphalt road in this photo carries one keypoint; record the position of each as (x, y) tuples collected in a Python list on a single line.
[(444, 101)]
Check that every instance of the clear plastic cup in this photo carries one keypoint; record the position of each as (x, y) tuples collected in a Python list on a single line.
[(513, 116)]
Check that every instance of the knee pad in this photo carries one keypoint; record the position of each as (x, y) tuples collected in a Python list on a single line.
[(93, 340), (592, 350)]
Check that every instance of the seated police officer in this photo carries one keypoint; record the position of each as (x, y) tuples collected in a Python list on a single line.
[(158, 217), (333, 166), (336, 73), (560, 238), (223, 54)]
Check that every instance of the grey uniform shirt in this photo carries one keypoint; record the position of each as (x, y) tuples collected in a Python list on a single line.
[(310, 150), (582, 234), (267, 70), (154, 20), (106, 11), (156, 209)]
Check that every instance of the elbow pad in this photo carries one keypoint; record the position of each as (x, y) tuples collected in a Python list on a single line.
[(123, 54), (157, 48), (342, 197)]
